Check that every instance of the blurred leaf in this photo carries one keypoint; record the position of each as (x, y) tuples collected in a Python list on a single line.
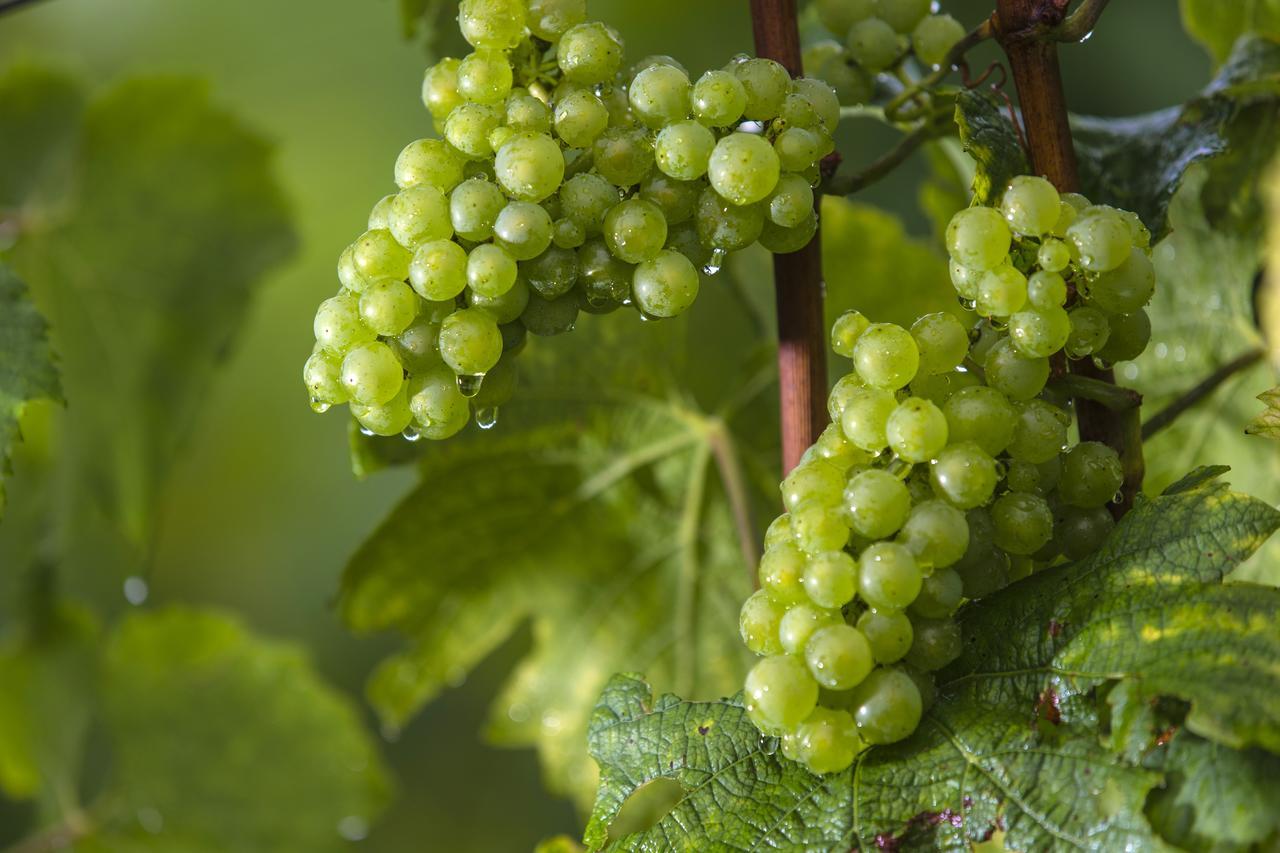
[(1267, 424), (148, 277), (1148, 608), (27, 371), (40, 114), (225, 741), (988, 137), (1217, 25), (945, 190)]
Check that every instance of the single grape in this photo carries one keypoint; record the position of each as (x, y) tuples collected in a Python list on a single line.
[(473, 206), (530, 166), (1091, 475), (779, 693), (942, 342), (467, 129), (935, 644), (494, 24), (418, 215), (873, 44), (718, 99), (505, 307), (1030, 205), (586, 198), (888, 576), (939, 596), (1039, 433), (1039, 333), (388, 306), (437, 405), (338, 326), (784, 241), (830, 579), (371, 373), (623, 156), (348, 275), (846, 330), (551, 19), (439, 270), (430, 162), (798, 624), (678, 200), (982, 415), (936, 533), (603, 278), (1089, 331), (1022, 522), (876, 503), (376, 254), (833, 447), (665, 285), (865, 417), (743, 168), (523, 230), (818, 527), (580, 117), (553, 273), (635, 230), (779, 531), (839, 657), (916, 430), (567, 234), (965, 279), (781, 569), (933, 38), (903, 15), (683, 150), (546, 317), (1129, 336), (484, 77), (827, 741), (386, 419), (758, 621), (440, 88), (766, 84), (660, 95), (1001, 292), (470, 342), (1053, 256), (887, 706), (380, 215), (798, 148), (418, 346), (812, 479), (888, 632), (822, 97), (964, 475), (1013, 374), (791, 203), (828, 61), (589, 53), (1083, 531), (979, 238), (886, 356), (1100, 238), (1046, 290), (1126, 288), (727, 226), (322, 374), (839, 15), (490, 271)]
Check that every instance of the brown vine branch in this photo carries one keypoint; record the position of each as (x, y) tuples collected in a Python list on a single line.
[(1114, 397), (1204, 388), (846, 183), (1080, 23)]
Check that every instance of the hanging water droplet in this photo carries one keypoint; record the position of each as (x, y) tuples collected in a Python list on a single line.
[(648, 318), (319, 406), (487, 418), (365, 431), (411, 433), (714, 263), (136, 590), (469, 383), (967, 304), (769, 745), (739, 58), (627, 301)]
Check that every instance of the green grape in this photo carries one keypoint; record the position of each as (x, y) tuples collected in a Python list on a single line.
[(830, 579), (500, 136), (779, 531), (490, 270), (683, 150), (1100, 238), (589, 53), (827, 741), (438, 407), (1130, 334), (430, 162), (838, 656), (758, 622), (473, 206), (551, 19), (567, 234), (390, 418), (718, 99), (665, 285), (1002, 292), (1039, 433), (1023, 477), (1046, 290), (522, 230), (505, 307), (1030, 205), (935, 644), (828, 61), (797, 111), (965, 279), (376, 254), (846, 330), (887, 706), (586, 199), (388, 306), (812, 479), (1022, 522), (494, 24), (1039, 333), (1089, 331), (903, 15), (623, 156), (514, 335), (439, 270), (964, 475), (440, 88), (821, 97), (982, 415), (380, 216), (1126, 288), (817, 527), (798, 148), (873, 44), (933, 38), (781, 569), (838, 450), (660, 95), (941, 341), (580, 118), (418, 215), (886, 356), (1091, 475), (726, 226), (888, 632), (604, 279), (798, 624), (1083, 531), (553, 273), (916, 430), (546, 317), (635, 230), (484, 77), (979, 238), (677, 199), (743, 168), (348, 275), (467, 129), (843, 391), (779, 693), (766, 84), (939, 596), (1053, 257), (1013, 374), (371, 373), (865, 418), (876, 503), (837, 16), (527, 113), (338, 326), (470, 342), (784, 241), (888, 576), (936, 533), (530, 166), (322, 374), (985, 573), (418, 346)]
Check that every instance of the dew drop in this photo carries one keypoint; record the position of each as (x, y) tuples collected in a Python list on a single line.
[(364, 430), (136, 590), (411, 433), (487, 418), (967, 304), (739, 58), (769, 745), (319, 406), (648, 318), (714, 263), (469, 383)]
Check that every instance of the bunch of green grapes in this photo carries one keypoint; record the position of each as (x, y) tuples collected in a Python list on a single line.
[(876, 36), (946, 473), (561, 184)]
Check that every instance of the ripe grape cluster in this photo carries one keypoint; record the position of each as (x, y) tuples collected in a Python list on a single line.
[(875, 36), (946, 473), (561, 184)]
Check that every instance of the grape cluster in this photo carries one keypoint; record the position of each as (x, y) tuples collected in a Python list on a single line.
[(561, 184), (875, 36), (946, 473)]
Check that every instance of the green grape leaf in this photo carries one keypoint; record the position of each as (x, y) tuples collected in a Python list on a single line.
[(945, 189), (40, 113), (27, 370), (1267, 424), (271, 758), (989, 138), (1011, 743), (1217, 25), (147, 277)]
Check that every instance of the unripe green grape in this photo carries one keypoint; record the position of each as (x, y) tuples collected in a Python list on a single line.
[(887, 706), (553, 273), (936, 533), (467, 129), (665, 285), (388, 306), (338, 326), (779, 693), (683, 150), (781, 568), (586, 198), (567, 234), (1100, 238), (838, 656), (473, 206), (438, 270), (940, 595), (846, 330), (1130, 334), (886, 356), (743, 168), (1039, 433), (933, 38), (623, 155), (888, 576), (580, 118), (1013, 374), (660, 95), (496, 24), (758, 622), (827, 741), (371, 373), (783, 241), (386, 419), (1091, 475), (718, 99), (982, 415), (876, 503), (551, 19), (727, 226), (322, 374), (964, 475), (376, 254), (1030, 205), (1077, 202), (822, 97), (418, 215), (1039, 333), (865, 417), (505, 307), (1126, 288), (348, 275), (1022, 522), (837, 16), (589, 53), (522, 230), (440, 88), (418, 346), (485, 77), (942, 342), (635, 230), (1050, 474), (1090, 330), (530, 166), (1002, 292), (490, 270), (873, 44), (779, 531), (675, 198), (916, 430), (797, 111), (1053, 255), (888, 632), (979, 238), (766, 84), (1083, 531), (1046, 290), (934, 388), (935, 644), (965, 279), (830, 579), (546, 317), (798, 148), (470, 342), (812, 479), (604, 278)]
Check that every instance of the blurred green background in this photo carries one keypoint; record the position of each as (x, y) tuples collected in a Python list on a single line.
[(262, 511)]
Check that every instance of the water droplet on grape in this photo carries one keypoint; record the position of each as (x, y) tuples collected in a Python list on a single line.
[(647, 318), (967, 304), (487, 418), (136, 590), (769, 745), (469, 383), (739, 58), (364, 430), (411, 433), (319, 406), (714, 263)]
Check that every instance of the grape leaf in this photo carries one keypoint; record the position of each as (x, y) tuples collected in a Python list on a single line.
[(1267, 424), (945, 189), (1217, 25), (980, 762), (27, 370), (988, 137)]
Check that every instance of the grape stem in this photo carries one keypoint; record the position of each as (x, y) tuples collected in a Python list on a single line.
[(1201, 390), (846, 184), (802, 359), (1028, 31), (1115, 397), (954, 57)]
